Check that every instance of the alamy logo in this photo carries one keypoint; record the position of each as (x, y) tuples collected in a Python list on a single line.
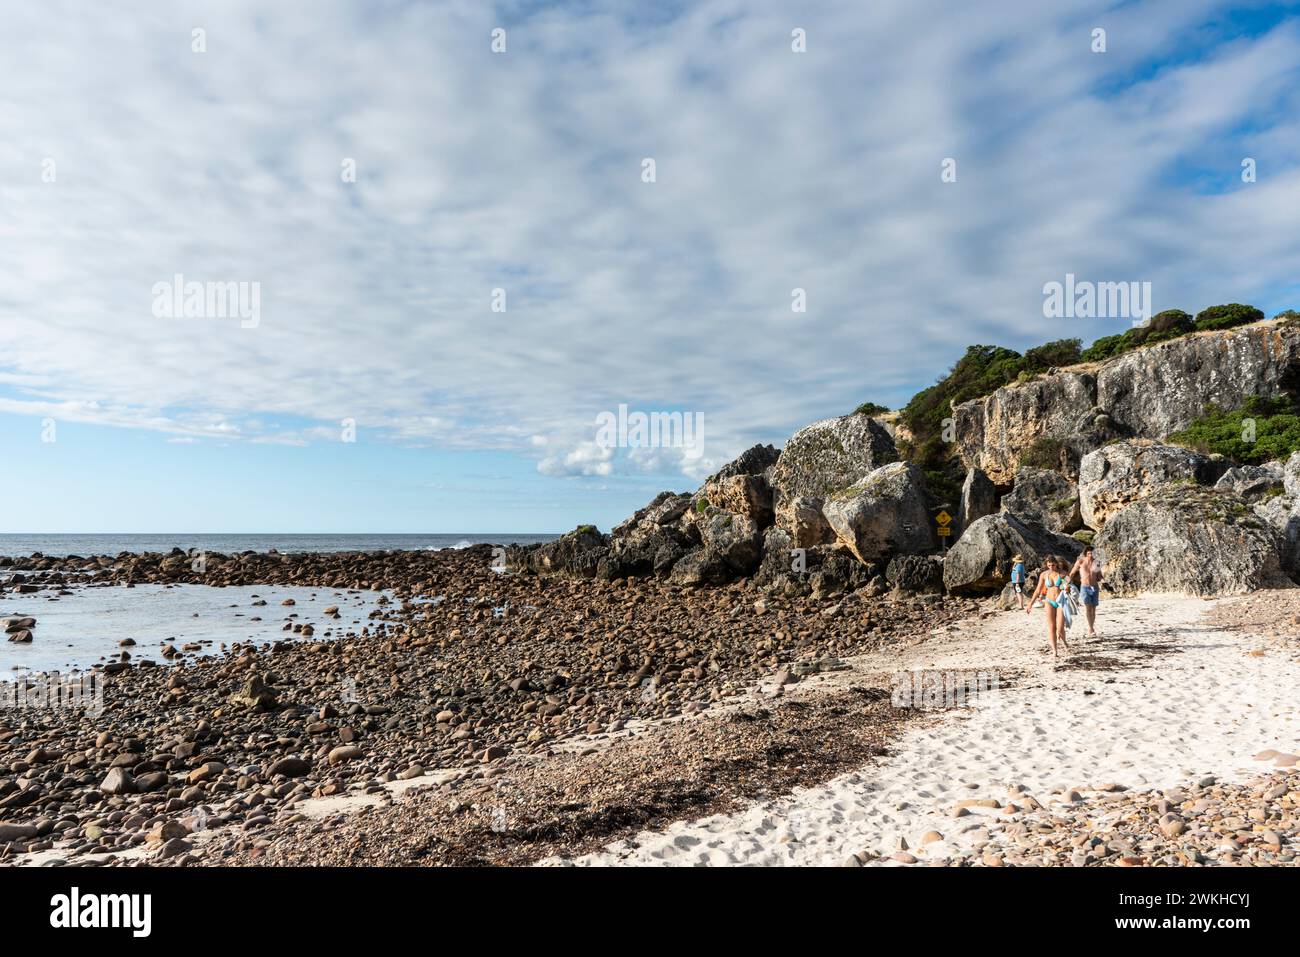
[(179, 299), (928, 689), (1097, 300), (50, 690), (74, 910), (653, 430)]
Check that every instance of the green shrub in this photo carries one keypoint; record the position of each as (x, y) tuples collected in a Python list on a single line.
[(1226, 317), (1062, 352), (1276, 426), (1105, 348), (1163, 326), (1044, 453), (870, 408)]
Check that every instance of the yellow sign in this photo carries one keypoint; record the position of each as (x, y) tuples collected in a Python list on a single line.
[(944, 531), (943, 518)]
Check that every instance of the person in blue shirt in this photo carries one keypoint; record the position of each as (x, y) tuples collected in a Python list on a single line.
[(1018, 578)]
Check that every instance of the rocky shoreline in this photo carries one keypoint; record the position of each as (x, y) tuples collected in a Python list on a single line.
[(466, 670)]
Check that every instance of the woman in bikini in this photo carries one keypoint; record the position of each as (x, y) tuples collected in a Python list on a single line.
[(1050, 587)]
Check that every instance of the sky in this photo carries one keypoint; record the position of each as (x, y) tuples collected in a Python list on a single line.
[(461, 260)]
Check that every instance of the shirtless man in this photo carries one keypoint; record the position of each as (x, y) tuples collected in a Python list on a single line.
[(1089, 570)]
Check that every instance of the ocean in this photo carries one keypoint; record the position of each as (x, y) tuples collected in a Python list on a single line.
[(13, 545), (84, 628)]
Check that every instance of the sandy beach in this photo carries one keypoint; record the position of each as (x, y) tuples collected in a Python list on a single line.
[(1163, 699)]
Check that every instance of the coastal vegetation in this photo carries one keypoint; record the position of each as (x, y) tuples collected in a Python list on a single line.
[(1262, 429), (983, 369)]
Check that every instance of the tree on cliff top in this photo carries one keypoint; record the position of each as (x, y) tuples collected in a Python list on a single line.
[(981, 371)]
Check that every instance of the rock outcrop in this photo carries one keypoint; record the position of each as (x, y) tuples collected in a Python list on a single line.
[(883, 513), (1076, 450), (802, 518), (915, 573), (1149, 393), (1046, 498), (1115, 476), (979, 497), (734, 538), (980, 561), (1190, 539), (576, 553), (830, 455), (1279, 508), (1252, 481)]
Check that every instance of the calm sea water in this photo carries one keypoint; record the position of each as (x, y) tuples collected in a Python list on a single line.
[(81, 629), (55, 545)]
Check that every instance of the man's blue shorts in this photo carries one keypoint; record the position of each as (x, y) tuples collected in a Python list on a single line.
[(1090, 595)]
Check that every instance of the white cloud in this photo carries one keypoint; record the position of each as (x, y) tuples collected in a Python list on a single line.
[(775, 170)]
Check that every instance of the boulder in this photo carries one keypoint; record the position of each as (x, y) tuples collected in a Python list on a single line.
[(1253, 482), (820, 571), (700, 566), (747, 495), (736, 539), (801, 517), (643, 550), (290, 767), (577, 553), (118, 781), (979, 497), (783, 566), (831, 455), (741, 486), (1278, 507), (755, 460), (915, 573), (1117, 475), (16, 832), (883, 513), (255, 695), (1046, 498), (664, 509), (980, 560), (836, 570), (1189, 539)]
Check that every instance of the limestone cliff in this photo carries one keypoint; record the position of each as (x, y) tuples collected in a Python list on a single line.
[(1148, 393)]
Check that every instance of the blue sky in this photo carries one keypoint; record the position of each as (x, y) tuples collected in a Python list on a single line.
[(522, 171)]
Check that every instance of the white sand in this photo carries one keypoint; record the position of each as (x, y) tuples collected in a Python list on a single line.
[(1203, 704)]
